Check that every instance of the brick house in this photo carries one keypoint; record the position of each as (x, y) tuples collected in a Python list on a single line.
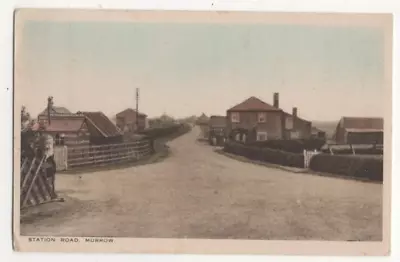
[(359, 130), (255, 120), (126, 120)]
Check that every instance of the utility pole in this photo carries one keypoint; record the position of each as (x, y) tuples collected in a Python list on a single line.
[(137, 109)]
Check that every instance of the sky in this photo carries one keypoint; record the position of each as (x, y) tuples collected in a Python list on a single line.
[(186, 69)]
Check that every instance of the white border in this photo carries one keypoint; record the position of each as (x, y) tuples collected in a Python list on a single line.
[(282, 5)]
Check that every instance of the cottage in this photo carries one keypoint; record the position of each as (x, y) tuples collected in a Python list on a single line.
[(255, 120), (131, 121), (359, 130), (65, 129)]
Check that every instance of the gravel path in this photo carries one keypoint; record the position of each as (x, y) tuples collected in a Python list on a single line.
[(197, 193)]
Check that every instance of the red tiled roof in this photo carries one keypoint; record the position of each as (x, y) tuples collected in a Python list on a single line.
[(102, 123), (362, 123), (253, 104), (129, 111), (62, 125)]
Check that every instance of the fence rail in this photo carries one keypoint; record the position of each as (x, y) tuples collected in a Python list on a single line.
[(80, 156)]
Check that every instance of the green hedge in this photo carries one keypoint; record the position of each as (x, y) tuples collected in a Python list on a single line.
[(159, 132), (293, 146), (265, 154), (350, 166)]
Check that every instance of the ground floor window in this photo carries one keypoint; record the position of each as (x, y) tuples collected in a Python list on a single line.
[(261, 136), (294, 135)]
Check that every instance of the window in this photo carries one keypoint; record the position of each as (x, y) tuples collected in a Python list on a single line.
[(262, 117), (294, 135), (289, 123), (261, 136), (235, 117)]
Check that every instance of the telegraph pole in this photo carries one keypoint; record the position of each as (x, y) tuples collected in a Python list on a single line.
[(137, 109)]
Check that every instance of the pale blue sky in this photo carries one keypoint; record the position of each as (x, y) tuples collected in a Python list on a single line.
[(185, 69)]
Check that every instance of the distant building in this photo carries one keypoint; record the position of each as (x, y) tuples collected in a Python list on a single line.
[(126, 120), (203, 123), (317, 133), (55, 111), (255, 120), (359, 130)]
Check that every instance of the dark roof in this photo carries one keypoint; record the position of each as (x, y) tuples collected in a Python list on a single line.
[(57, 110), (253, 104), (372, 123), (217, 121), (129, 111), (101, 123)]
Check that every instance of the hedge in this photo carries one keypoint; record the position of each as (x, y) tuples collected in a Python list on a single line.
[(293, 146), (265, 154), (165, 131), (350, 166)]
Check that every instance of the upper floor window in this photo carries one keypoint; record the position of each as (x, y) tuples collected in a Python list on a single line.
[(262, 117), (289, 123), (235, 118)]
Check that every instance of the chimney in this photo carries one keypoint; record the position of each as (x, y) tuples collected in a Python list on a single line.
[(276, 100), (294, 112)]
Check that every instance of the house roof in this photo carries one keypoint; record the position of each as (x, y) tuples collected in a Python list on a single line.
[(102, 124), (362, 123), (57, 110), (129, 111), (62, 125), (217, 121), (316, 130), (253, 104), (298, 118)]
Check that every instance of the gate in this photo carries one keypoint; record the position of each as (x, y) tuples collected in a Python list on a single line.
[(307, 157), (35, 185), (61, 157)]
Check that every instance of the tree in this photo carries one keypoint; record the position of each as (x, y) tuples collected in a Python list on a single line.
[(25, 117)]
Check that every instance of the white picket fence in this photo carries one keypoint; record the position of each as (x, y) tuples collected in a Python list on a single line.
[(307, 157)]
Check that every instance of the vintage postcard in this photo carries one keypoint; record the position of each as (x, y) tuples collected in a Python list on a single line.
[(202, 132)]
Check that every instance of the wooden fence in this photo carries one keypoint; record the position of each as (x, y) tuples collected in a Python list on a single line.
[(81, 156)]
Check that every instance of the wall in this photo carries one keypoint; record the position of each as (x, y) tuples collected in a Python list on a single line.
[(249, 120)]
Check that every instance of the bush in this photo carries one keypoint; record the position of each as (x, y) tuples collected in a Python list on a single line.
[(350, 166), (293, 146), (265, 154)]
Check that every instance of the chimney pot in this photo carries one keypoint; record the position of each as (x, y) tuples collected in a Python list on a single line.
[(294, 112), (276, 100)]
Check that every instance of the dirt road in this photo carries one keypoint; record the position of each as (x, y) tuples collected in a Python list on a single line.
[(197, 193)]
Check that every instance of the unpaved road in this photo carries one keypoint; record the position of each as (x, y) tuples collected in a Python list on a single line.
[(197, 193)]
